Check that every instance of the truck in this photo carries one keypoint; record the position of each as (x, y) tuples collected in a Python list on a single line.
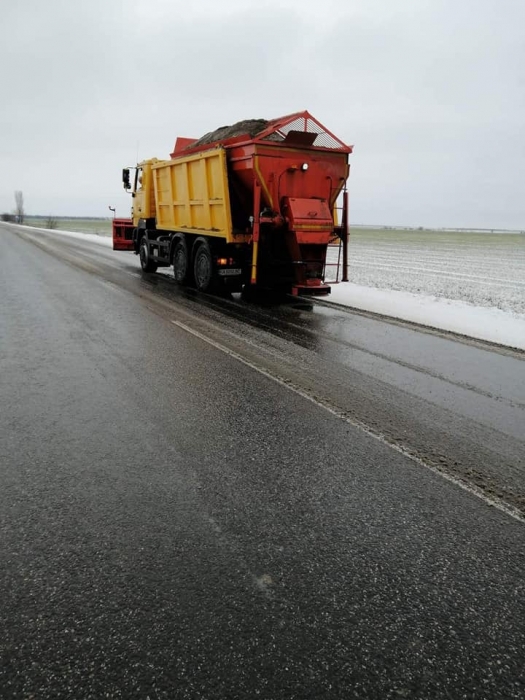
[(255, 205)]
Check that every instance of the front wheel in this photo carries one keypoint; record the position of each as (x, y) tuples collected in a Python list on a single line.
[(146, 262), (203, 268)]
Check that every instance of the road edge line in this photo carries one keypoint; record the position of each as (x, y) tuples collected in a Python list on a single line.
[(473, 490)]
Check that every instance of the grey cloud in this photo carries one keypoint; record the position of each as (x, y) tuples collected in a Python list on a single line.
[(431, 92)]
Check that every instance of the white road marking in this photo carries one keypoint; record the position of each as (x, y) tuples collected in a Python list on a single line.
[(474, 490)]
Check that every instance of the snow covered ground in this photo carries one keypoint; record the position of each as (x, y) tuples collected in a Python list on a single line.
[(468, 283), (483, 269), (483, 323), (465, 282)]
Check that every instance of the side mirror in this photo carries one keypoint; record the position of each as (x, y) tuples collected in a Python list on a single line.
[(125, 179)]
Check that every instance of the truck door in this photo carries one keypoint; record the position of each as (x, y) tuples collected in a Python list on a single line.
[(139, 195)]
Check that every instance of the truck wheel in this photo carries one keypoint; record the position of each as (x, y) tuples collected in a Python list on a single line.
[(146, 262), (181, 263), (203, 268)]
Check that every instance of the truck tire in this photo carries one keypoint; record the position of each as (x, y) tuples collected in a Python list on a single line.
[(203, 268), (181, 263), (146, 262)]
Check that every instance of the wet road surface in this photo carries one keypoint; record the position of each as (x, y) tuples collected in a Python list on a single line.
[(201, 498)]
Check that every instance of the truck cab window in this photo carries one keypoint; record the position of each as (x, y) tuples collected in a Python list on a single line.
[(138, 179)]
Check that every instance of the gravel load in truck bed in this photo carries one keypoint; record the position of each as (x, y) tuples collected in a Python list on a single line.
[(251, 127)]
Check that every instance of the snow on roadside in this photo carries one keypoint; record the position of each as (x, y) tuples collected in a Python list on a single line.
[(483, 323), (93, 237), (106, 241)]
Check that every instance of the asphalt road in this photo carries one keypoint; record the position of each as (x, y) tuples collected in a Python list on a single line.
[(201, 498)]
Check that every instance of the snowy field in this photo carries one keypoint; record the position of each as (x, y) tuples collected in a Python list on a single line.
[(466, 282), (482, 269), (99, 227)]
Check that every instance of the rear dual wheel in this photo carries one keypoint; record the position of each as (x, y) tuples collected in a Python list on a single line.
[(203, 268), (181, 263), (201, 273)]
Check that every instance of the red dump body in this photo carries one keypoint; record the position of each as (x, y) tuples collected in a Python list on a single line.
[(289, 174)]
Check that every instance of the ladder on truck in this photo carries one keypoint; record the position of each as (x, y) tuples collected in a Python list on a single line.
[(336, 261)]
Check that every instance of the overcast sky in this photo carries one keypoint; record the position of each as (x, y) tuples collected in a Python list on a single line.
[(431, 92)]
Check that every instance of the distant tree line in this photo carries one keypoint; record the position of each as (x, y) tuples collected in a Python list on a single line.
[(18, 216)]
